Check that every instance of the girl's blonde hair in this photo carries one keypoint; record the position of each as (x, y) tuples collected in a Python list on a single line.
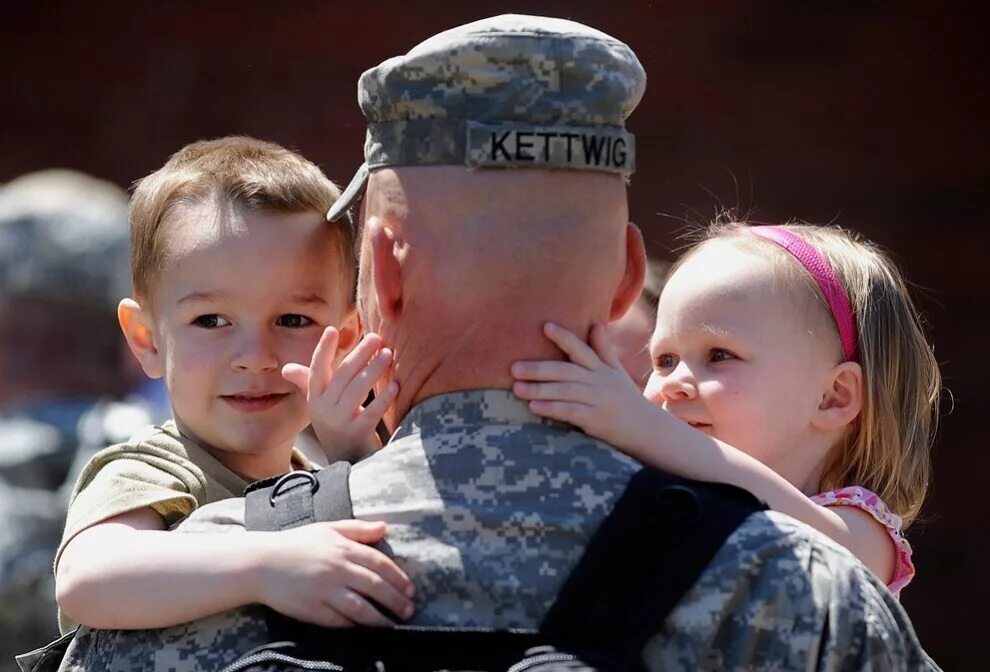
[(887, 449)]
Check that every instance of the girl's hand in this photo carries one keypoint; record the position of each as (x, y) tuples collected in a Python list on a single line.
[(324, 573), (592, 391), (345, 428)]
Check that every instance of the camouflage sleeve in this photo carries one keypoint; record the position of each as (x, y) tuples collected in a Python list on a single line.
[(205, 644), (780, 595)]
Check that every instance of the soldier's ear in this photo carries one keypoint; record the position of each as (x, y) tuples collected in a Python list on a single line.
[(386, 248), (138, 327), (631, 284)]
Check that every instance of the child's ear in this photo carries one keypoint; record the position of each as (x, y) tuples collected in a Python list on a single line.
[(842, 398), (136, 323), (349, 331)]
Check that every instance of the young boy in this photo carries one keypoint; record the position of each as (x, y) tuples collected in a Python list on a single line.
[(236, 273)]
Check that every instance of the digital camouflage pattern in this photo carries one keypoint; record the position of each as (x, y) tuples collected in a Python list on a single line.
[(565, 87), (205, 645), (779, 595), (489, 508)]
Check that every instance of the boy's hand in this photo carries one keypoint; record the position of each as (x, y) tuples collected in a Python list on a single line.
[(324, 573), (345, 428), (592, 391)]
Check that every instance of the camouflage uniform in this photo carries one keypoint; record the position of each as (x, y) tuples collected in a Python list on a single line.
[(489, 507), (63, 256), (506, 92)]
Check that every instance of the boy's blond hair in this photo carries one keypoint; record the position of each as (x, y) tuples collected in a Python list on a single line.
[(241, 172), (887, 448)]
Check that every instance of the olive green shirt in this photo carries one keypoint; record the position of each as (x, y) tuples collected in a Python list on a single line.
[(159, 468)]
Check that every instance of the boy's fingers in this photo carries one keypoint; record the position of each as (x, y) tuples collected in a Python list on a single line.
[(370, 585), (383, 566), (321, 370), (549, 371), (355, 361), (358, 609), (298, 375), (374, 411), (362, 531), (575, 392), (577, 350), (326, 616), (356, 391), (603, 346)]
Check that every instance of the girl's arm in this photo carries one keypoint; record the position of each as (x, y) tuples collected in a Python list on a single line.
[(593, 392), (129, 573)]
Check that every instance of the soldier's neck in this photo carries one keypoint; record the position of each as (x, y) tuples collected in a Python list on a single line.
[(478, 356)]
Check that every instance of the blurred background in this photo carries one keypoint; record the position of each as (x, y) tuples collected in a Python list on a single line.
[(870, 114)]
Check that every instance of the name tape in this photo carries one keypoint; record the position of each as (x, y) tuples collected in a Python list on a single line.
[(578, 147)]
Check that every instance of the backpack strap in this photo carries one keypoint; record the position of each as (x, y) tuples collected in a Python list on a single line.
[(643, 558), (299, 498)]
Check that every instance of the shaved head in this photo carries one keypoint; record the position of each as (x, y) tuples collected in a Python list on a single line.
[(497, 234), (481, 259)]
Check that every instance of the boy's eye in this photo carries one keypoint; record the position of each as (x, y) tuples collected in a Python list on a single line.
[(666, 361), (719, 355), (211, 321), (293, 320)]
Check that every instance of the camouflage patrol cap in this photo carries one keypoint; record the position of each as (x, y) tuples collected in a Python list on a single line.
[(64, 237), (509, 91)]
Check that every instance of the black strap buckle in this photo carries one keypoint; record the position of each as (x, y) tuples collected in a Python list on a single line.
[(287, 479)]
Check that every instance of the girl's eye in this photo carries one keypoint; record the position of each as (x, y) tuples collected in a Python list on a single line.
[(294, 321), (211, 321), (719, 355), (666, 361)]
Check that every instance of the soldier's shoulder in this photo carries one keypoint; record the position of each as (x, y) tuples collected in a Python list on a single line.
[(800, 594), (774, 538)]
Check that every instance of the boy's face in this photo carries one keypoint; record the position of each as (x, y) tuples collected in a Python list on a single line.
[(241, 294)]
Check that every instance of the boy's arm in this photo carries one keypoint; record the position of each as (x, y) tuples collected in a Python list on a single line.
[(129, 573), (593, 392)]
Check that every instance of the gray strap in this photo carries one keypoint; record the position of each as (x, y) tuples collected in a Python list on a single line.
[(299, 498), (292, 499)]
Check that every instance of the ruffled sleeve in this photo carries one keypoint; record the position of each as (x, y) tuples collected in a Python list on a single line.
[(865, 500)]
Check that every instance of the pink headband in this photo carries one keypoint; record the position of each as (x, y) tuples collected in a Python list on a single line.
[(823, 274)]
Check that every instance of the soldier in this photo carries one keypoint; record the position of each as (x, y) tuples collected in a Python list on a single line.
[(63, 266), (495, 199)]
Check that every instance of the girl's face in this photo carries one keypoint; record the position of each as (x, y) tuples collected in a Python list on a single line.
[(743, 358)]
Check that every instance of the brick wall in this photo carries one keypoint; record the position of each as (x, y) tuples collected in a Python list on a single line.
[(870, 114)]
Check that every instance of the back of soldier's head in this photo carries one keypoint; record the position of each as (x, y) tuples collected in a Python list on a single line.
[(63, 267), (505, 140)]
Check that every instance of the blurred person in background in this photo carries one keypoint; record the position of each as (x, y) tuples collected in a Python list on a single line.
[(630, 334), (67, 387)]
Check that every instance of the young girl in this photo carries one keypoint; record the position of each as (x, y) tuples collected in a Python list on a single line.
[(788, 360)]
